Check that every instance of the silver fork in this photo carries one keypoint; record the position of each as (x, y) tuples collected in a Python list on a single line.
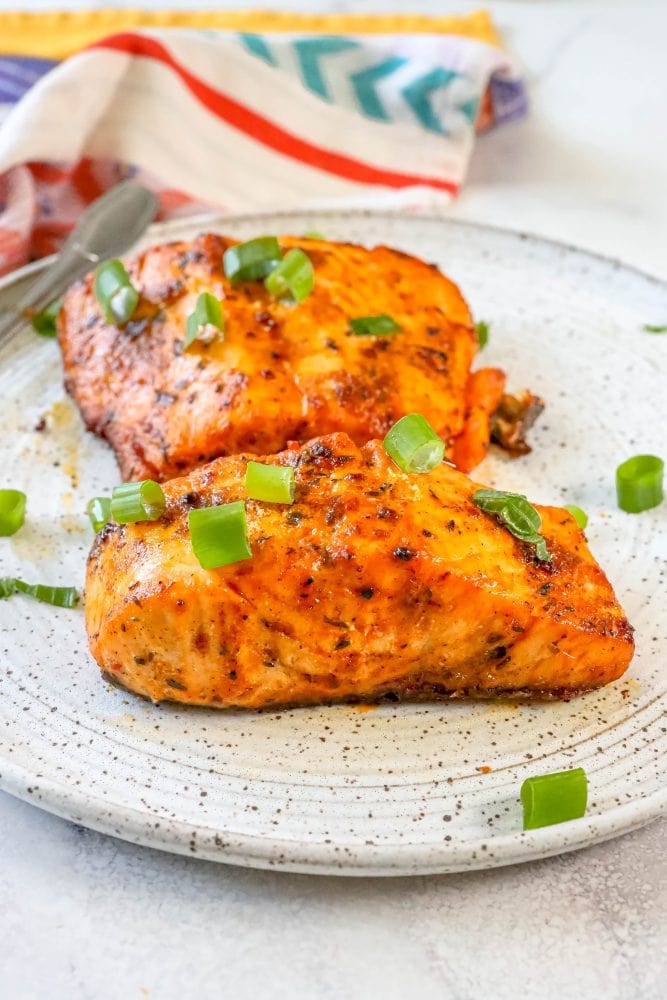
[(108, 227)]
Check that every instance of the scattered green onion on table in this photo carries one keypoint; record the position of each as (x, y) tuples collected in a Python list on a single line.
[(381, 325), (516, 514), (12, 511), (59, 597), (293, 276), (554, 798), (115, 292), (253, 260), (205, 321), (639, 483), (413, 444), (219, 535), (271, 483), (133, 502)]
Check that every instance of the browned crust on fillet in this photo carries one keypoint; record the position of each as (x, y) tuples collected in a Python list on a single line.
[(281, 373), (373, 584)]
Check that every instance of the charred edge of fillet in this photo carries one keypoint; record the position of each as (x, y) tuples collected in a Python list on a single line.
[(513, 419), (428, 693)]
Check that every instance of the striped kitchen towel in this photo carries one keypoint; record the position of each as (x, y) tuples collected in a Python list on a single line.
[(242, 120)]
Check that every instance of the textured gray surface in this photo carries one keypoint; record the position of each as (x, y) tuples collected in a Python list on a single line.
[(89, 917), (84, 916)]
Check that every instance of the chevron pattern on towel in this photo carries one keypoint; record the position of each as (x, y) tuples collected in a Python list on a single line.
[(368, 76)]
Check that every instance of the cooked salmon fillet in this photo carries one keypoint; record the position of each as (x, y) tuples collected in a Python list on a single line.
[(372, 583), (282, 372)]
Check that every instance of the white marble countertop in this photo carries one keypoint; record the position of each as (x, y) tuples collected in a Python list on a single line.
[(86, 917)]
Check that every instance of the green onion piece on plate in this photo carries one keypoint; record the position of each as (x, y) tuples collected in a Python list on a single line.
[(132, 502), (206, 320), (652, 328), (99, 512), (253, 260), (115, 292), (580, 516), (639, 483), (482, 334), (293, 276), (44, 322), (12, 511), (60, 597), (414, 445), (219, 535), (271, 483), (554, 798), (515, 512), (381, 325)]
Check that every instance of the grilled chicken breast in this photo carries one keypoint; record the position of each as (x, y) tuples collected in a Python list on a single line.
[(282, 372), (372, 583)]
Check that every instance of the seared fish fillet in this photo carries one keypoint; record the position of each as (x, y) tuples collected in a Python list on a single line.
[(282, 373), (373, 583)]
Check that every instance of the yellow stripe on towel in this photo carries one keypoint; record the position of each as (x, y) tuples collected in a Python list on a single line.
[(58, 34)]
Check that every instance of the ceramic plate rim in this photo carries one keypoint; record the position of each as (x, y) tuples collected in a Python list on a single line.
[(79, 806)]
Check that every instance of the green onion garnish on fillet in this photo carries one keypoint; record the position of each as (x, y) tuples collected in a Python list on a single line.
[(414, 445), (12, 511), (206, 320), (639, 483), (60, 597), (253, 260), (554, 798), (516, 514), (133, 502), (271, 483), (99, 512), (482, 334), (580, 516), (44, 322), (381, 325), (219, 535), (115, 292), (292, 277)]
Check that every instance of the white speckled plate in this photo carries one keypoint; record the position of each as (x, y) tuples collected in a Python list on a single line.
[(399, 789)]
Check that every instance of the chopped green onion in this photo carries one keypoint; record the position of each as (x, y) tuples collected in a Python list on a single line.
[(482, 334), (253, 260), (374, 326), (639, 483), (132, 502), (60, 597), (516, 514), (271, 483), (219, 535), (99, 512), (580, 516), (44, 322), (115, 292), (414, 445), (314, 234), (649, 328), (293, 276), (206, 320), (554, 798), (12, 511)]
